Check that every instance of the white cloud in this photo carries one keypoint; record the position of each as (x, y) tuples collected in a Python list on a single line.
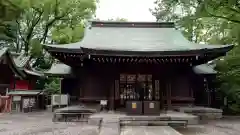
[(132, 10)]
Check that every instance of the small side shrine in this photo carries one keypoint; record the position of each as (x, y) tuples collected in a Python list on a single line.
[(17, 80)]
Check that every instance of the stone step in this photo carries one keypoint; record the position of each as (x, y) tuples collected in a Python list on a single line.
[(148, 130), (110, 128), (154, 123)]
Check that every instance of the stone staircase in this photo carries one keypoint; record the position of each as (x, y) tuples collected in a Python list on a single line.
[(204, 113), (117, 124)]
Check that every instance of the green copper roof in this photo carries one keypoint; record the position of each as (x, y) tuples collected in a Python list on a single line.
[(18, 62), (22, 60), (10, 61), (204, 69), (3, 51), (34, 73), (59, 69), (133, 39), (26, 92)]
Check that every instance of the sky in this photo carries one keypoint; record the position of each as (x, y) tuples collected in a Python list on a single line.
[(132, 10)]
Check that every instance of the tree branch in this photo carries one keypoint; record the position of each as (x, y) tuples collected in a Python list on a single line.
[(49, 24), (222, 17), (233, 10), (30, 31), (19, 31), (219, 16)]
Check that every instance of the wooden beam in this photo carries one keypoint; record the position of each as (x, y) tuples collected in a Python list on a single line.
[(155, 61), (150, 61), (127, 59), (136, 60), (141, 60), (145, 60), (132, 59), (183, 59)]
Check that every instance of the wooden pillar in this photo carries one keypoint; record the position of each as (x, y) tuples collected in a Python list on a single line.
[(116, 92), (169, 94), (111, 97), (207, 91), (14, 82), (61, 85)]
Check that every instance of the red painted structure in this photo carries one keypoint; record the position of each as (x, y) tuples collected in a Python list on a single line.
[(16, 75), (22, 85)]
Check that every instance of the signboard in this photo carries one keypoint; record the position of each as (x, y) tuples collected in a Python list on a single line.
[(151, 105), (134, 105), (61, 99), (103, 102), (16, 98)]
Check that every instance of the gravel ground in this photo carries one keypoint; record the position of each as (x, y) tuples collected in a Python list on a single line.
[(41, 124), (218, 127)]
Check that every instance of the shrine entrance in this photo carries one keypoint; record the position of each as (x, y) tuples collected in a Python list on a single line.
[(136, 87)]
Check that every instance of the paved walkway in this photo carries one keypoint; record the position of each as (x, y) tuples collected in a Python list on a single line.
[(110, 125), (41, 124), (149, 130)]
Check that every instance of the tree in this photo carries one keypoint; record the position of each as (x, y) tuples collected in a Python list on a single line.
[(44, 20), (183, 13), (51, 21), (213, 22), (118, 19), (224, 9), (53, 86), (9, 12), (65, 34), (191, 17)]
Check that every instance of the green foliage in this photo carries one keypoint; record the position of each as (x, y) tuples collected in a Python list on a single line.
[(41, 20), (66, 34), (28, 24), (118, 19), (212, 22), (36, 48), (53, 86), (9, 12)]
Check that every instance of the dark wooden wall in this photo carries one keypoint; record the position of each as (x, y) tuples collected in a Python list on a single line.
[(5, 78), (96, 81)]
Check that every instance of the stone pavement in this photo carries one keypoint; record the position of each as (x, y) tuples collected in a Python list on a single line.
[(41, 124), (149, 130), (217, 127), (110, 124)]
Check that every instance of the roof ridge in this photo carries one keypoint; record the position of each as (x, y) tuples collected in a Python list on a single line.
[(132, 24)]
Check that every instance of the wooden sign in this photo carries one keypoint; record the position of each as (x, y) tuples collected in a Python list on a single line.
[(16, 98)]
